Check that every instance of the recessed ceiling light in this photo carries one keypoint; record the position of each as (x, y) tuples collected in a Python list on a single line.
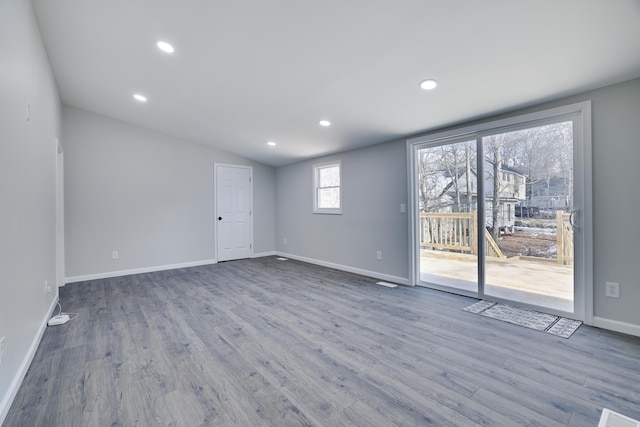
[(428, 84), (271, 143), (324, 123), (139, 97), (165, 47)]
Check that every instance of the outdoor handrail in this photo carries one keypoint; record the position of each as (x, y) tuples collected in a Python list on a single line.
[(565, 238), (457, 231), (449, 230)]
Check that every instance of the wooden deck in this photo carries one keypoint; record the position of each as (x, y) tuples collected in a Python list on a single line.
[(524, 280)]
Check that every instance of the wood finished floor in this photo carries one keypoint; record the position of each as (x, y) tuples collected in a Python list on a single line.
[(265, 342)]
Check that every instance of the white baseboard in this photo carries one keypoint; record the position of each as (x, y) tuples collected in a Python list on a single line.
[(374, 274), (12, 392), (263, 254), (614, 325), (137, 271)]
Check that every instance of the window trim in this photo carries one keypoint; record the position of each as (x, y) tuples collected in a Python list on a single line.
[(316, 169)]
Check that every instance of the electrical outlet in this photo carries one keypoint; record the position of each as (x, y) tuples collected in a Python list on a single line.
[(379, 255), (115, 255), (284, 240), (47, 288), (612, 290), (1, 348)]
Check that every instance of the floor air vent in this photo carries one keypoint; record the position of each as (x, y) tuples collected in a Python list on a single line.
[(387, 284), (613, 419)]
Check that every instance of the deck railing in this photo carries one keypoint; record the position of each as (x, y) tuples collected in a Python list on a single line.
[(565, 238), (458, 232), (447, 230)]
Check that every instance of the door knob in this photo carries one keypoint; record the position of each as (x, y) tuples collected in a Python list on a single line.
[(219, 218)]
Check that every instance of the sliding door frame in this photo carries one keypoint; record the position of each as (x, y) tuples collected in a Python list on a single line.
[(580, 114)]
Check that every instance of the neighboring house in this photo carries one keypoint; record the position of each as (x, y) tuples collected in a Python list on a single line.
[(512, 192), (454, 197), (547, 196)]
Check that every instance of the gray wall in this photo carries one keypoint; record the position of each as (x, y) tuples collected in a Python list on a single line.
[(374, 183), (147, 195), (27, 190)]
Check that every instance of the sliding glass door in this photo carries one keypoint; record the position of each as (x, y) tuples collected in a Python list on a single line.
[(528, 204), (448, 217), (510, 224)]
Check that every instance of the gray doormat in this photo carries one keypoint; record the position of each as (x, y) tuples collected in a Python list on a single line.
[(549, 323)]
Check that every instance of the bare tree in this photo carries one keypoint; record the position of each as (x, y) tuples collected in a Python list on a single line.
[(493, 153), (468, 150), (430, 180), (446, 177)]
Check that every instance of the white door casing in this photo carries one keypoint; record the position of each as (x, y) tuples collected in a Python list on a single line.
[(580, 114), (233, 187), (60, 273)]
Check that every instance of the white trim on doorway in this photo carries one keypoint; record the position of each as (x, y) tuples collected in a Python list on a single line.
[(580, 113), (217, 215), (60, 259)]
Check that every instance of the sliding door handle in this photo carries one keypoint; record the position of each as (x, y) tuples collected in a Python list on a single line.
[(574, 219)]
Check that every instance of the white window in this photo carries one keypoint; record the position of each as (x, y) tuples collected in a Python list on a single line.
[(327, 195)]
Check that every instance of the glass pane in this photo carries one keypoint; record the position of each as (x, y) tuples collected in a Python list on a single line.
[(329, 176), (448, 215), (528, 181), (329, 198)]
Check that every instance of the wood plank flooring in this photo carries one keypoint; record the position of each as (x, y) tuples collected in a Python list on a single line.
[(265, 342)]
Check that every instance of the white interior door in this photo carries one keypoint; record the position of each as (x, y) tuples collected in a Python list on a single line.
[(233, 206)]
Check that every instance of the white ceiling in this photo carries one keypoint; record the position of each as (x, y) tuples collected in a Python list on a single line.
[(248, 71)]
